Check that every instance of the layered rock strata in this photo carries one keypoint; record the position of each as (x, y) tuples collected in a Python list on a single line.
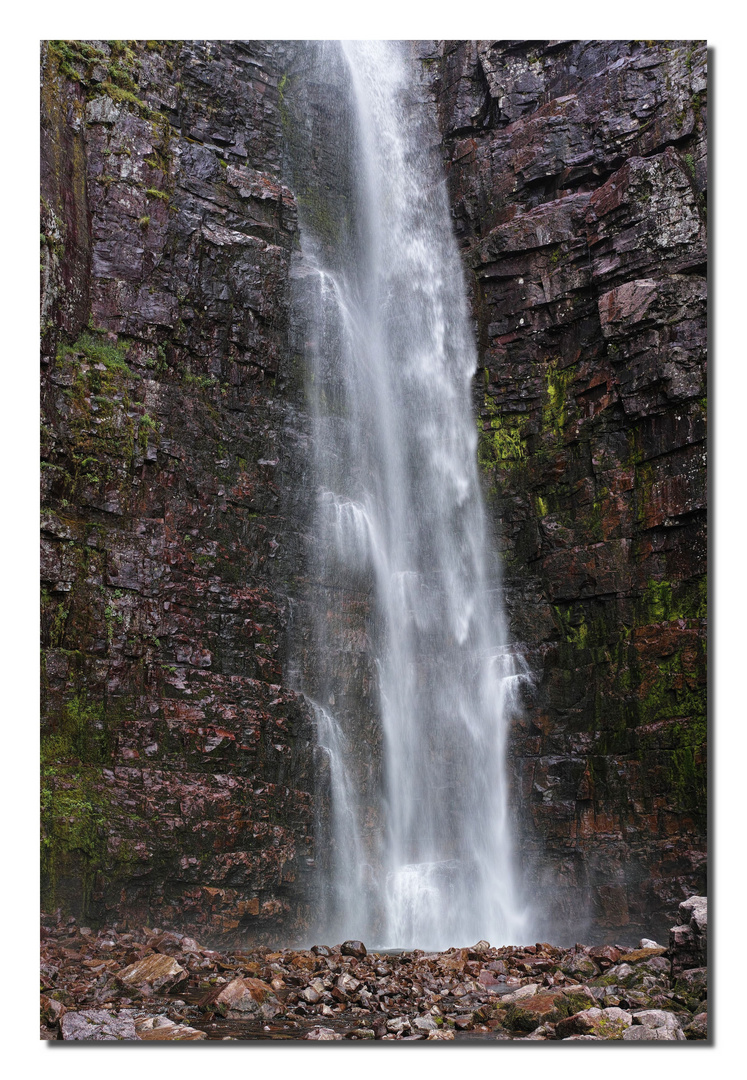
[(177, 778), (175, 756), (578, 177)]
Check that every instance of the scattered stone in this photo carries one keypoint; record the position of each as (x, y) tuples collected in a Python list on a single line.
[(322, 1034), (410, 996)]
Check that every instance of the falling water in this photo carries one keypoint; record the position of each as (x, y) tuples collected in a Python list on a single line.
[(399, 511)]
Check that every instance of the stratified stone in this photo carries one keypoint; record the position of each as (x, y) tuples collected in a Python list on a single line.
[(577, 173), (688, 942)]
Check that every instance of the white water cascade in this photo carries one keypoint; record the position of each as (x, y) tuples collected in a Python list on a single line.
[(399, 510)]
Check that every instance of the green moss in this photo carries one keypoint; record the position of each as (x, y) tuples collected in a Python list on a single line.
[(75, 58), (202, 382), (664, 601), (79, 733), (505, 443), (154, 193), (557, 385), (98, 350)]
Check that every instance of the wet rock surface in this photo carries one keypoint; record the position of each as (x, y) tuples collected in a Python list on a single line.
[(176, 757), (577, 172), (326, 994), (169, 403)]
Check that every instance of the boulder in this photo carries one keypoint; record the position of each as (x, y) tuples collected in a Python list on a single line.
[(424, 1023), (98, 1025), (152, 974), (655, 1025), (248, 997), (604, 955), (692, 985), (639, 1033), (398, 1024), (528, 1013), (604, 1023), (354, 948), (578, 962), (161, 1029)]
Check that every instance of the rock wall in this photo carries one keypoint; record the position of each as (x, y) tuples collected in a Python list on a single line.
[(578, 177), (175, 756), (177, 780)]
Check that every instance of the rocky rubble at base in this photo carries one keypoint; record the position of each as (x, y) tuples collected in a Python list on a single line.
[(148, 984)]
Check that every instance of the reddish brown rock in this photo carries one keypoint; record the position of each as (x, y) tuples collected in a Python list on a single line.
[(161, 1029), (604, 1023), (173, 441), (248, 997), (167, 729), (577, 173), (153, 973), (528, 1013)]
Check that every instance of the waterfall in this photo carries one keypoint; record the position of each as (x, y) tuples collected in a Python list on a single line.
[(419, 850)]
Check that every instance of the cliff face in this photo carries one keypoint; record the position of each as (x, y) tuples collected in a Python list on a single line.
[(578, 177), (176, 758), (177, 778)]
